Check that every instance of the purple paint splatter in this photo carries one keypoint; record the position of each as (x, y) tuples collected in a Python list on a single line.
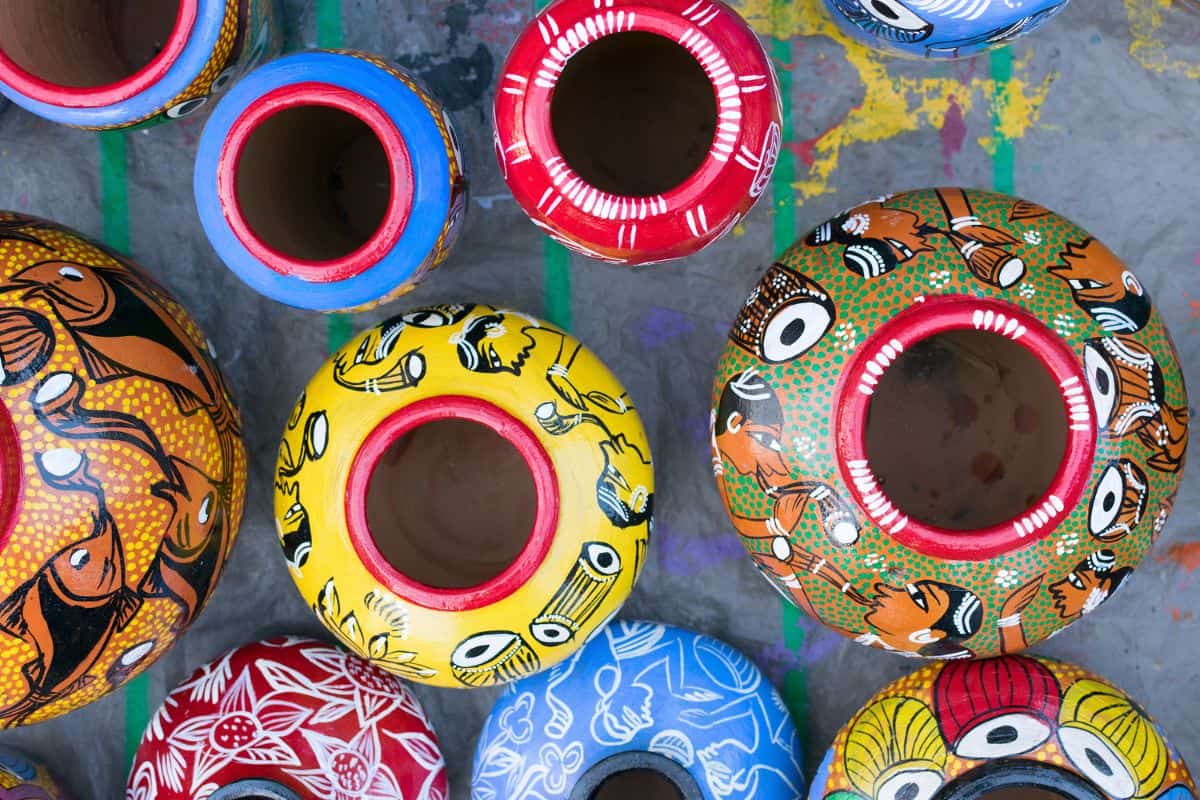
[(684, 555), (954, 133), (660, 326)]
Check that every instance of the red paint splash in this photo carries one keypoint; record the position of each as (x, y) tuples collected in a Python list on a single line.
[(1184, 554), (1180, 616), (954, 133)]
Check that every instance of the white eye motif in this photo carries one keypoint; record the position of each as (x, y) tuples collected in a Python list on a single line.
[(61, 462), (71, 274), (186, 108), (1102, 382), (80, 558), (602, 558), (482, 648), (550, 633), (317, 435), (1095, 759), (1007, 735), (204, 514), (223, 80), (426, 318), (892, 12), (794, 329), (1106, 501), (53, 387), (920, 784)]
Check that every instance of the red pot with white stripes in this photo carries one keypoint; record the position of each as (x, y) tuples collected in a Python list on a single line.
[(636, 131)]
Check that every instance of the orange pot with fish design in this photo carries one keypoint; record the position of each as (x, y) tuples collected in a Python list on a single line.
[(122, 471)]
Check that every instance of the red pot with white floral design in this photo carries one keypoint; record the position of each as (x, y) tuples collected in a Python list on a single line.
[(289, 719), (636, 131)]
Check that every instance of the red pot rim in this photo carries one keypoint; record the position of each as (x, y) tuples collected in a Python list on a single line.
[(640, 229), (935, 315), (395, 219), (108, 94), (11, 484), (519, 436)]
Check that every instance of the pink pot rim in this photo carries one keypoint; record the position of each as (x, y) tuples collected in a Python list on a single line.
[(545, 523), (29, 85), (395, 220), (935, 315), (698, 211)]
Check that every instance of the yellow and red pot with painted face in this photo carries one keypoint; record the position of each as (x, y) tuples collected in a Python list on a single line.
[(122, 470), (463, 495), (948, 423), (1013, 726)]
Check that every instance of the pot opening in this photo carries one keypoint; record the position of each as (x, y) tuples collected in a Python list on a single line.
[(254, 789), (84, 44), (451, 504), (634, 114), (1019, 780), (313, 182), (637, 774), (966, 429)]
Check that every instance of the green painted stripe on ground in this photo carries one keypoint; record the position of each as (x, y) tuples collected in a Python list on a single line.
[(556, 265), (338, 327), (114, 208), (783, 196), (1004, 154)]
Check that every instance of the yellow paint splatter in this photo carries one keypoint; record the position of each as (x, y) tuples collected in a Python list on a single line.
[(1147, 26), (892, 104)]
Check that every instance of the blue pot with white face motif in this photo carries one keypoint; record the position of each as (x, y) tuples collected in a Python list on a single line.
[(941, 28), (643, 711)]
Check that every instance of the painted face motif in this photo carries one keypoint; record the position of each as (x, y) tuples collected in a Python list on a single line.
[(492, 658), (876, 238), (887, 19), (580, 595), (493, 343), (749, 429), (1103, 288), (1126, 383), (378, 365), (784, 318), (76, 291), (925, 613), (624, 504), (996, 708), (1118, 502), (1088, 585)]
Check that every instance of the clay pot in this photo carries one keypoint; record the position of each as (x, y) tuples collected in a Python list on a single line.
[(330, 181), (1002, 729), (122, 470), (644, 711), (289, 719), (948, 423), (940, 30), (463, 495), (635, 132), (129, 62), (22, 778)]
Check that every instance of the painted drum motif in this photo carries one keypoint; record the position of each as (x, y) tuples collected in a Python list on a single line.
[(518, 530), (948, 423), (287, 181), (647, 708), (941, 28), (122, 470), (24, 779), (1015, 723), (143, 66), (636, 131), (289, 719)]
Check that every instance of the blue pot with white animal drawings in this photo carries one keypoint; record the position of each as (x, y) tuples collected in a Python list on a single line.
[(643, 711), (941, 28)]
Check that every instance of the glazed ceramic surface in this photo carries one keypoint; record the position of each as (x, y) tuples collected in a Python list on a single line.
[(941, 28), (642, 229), (212, 44), (806, 354), (122, 475), (641, 688), (292, 719), (21, 778), (1015, 721), (428, 194), (556, 403)]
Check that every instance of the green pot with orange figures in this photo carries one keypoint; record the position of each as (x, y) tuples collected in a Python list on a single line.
[(948, 423)]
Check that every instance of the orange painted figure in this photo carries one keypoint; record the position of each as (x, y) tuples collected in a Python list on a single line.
[(122, 471)]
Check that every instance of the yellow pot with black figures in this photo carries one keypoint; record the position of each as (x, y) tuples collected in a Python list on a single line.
[(463, 495)]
